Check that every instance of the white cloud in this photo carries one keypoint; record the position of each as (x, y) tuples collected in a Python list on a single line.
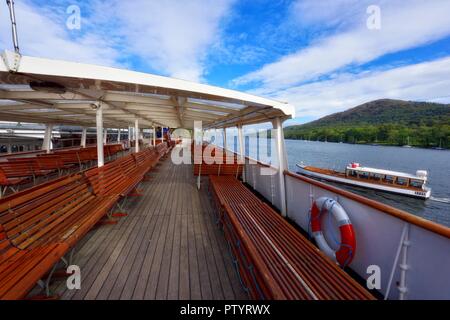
[(42, 35), (172, 36), (335, 13), (428, 81), (403, 25)]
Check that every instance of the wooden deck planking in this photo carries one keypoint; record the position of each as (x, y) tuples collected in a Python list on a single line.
[(168, 247)]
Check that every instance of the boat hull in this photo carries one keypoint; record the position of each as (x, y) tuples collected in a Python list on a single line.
[(420, 194)]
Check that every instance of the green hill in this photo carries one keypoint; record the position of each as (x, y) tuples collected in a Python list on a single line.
[(385, 121)]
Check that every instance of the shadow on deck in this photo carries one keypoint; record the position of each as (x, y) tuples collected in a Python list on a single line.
[(168, 247)]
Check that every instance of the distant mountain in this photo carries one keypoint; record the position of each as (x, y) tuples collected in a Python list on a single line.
[(381, 121)]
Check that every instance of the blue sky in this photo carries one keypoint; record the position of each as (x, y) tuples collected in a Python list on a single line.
[(318, 55)]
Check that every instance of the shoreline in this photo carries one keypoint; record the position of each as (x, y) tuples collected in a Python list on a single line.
[(373, 144)]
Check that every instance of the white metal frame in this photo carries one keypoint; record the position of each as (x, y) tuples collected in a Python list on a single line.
[(126, 95), (99, 122)]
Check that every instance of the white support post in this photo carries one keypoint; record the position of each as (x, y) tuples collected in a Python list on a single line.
[(402, 287), (136, 135), (241, 149), (105, 135), (129, 136), (154, 136), (162, 134), (83, 137), (46, 145), (118, 135), (225, 138), (282, 162), (99, 122)]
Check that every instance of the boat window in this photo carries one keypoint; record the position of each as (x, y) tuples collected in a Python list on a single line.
[(402, 181), (364, 175), (416, 184), (377, 176), (352, 173), (390, 179)]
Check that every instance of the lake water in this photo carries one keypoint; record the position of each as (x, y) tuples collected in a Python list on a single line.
[(338, 155)]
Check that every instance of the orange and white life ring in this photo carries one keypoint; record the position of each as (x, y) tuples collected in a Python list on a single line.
[(347, 246)]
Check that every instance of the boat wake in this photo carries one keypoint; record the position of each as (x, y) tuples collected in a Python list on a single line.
[(442, 200)]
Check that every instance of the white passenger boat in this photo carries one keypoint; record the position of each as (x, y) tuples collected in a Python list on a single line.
[(377, 179)]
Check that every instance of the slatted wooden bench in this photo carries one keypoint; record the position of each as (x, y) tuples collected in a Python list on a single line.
[(21, 269), (17, 170), (16, 174), (69, 157), (146, 159), (12, 183), (162, 149), (51, 162), (118, 178), (112, 180), (32, 163), (222, 164), (45, 222), (273, 260), (113, 149), (218, 169)]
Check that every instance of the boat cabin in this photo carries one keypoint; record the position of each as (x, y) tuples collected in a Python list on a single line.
[(380, 176)]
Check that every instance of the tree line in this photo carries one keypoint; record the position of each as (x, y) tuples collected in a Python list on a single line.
[(437, 135)]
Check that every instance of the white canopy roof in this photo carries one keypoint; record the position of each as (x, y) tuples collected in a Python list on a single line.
[(40, 90), (386, 172)]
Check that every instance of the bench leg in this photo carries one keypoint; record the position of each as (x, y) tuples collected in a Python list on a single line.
[(45, 284), (107, 220), (122, 205), (135, 192), (199, 181), (111, 217), (4, 190), (67, 262)]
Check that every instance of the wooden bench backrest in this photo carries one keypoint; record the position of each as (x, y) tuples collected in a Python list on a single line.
[(30, 162), (26, 216), (128, 165), (17, 169), (85, 155), (140, 159), (104, 179), (92, 153), (3, 177), (50, 162), (69, 157), (161, 148)]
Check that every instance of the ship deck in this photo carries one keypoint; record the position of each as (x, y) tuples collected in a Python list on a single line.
[(168, 247)]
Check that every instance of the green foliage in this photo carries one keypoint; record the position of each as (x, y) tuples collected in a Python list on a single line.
[(391, 122)]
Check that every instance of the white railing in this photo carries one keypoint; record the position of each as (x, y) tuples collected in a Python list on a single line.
[(413, 254)]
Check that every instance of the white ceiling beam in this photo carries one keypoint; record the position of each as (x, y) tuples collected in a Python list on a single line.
[(206, 107), (37, 95), (143, 106), (202, 114), (93, 96), (130, 98)]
